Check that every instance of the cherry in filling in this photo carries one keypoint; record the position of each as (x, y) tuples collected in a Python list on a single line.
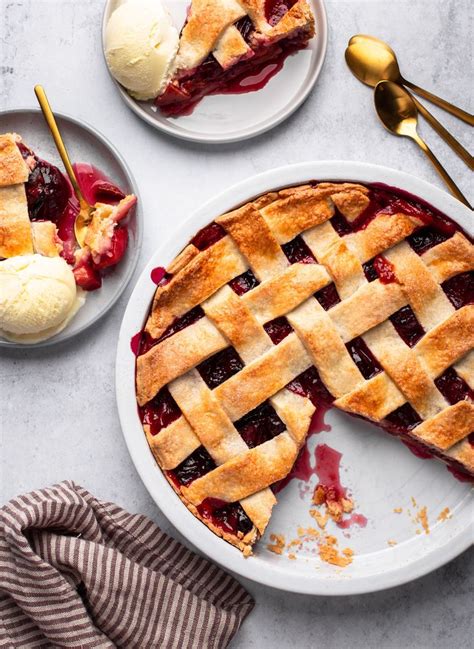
[(453, 387), (460, 289), (328, 296), (243, 283), (278, 329), (363, 358), (160, 412), (209, 235), (297, 252), (407, 325), (220, 367), (259, 425), (249, 74)]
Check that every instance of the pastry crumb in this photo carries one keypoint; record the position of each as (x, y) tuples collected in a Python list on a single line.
[(397, 510), (292, 556), (391, 542), (277, 544), (444, 515), (413, 502), (422, 518), (320, 518), (329, 553)]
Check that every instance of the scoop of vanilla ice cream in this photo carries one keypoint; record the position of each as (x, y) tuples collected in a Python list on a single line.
[(140, 46), (38, 297)]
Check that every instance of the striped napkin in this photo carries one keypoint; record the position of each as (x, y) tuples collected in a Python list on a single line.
[(78, 572)]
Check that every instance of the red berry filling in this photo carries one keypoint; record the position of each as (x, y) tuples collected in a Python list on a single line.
[(220, 367), (243, 283), (309, 385), (453, 387), (278, 329), (193, 467), (424, 239), (328, 296), (160, 412), (229, 517), (259, 425), (209, 235), (363, 358), (297, 252), (385, 269), (407, 325), (460, 289)]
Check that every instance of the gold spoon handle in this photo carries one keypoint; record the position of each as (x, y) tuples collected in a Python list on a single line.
[(442, 103), (441, 170), (450, 140), (58, 140)]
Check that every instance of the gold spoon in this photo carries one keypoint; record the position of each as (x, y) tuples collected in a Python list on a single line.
[(397, 112), (372, 70), (372, 60), (85, 211)]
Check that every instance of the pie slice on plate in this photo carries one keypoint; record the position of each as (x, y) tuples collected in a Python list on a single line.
[(225, 42), (329, 293)]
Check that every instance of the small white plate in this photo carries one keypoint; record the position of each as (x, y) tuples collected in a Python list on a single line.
[(85, 144), (230, 118), (380, 472)]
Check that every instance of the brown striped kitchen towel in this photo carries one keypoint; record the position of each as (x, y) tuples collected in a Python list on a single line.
[(78, 572)]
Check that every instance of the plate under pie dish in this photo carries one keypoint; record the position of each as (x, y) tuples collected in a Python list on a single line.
[(349, 294)]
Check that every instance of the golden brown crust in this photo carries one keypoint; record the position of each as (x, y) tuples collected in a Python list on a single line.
[(194, 283), (447, 427), (246, 474), (255, 240), (45, 238), (13, 169), (262, 378), (454, 256), (382, 233), (255, 233), (448, 342), (15, 227), (175, 356)]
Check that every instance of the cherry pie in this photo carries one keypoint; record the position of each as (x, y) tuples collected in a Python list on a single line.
[(329, 293), (233, 46), (38, 210)]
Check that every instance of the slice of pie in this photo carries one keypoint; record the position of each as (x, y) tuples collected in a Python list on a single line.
[(38, 209), (329, 293), (225, 42)]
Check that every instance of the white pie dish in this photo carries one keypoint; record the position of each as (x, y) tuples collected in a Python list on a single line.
[(231, 118), (381, 473), (85, 144)]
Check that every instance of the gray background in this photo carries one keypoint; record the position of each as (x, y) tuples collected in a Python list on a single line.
[(59, 418)]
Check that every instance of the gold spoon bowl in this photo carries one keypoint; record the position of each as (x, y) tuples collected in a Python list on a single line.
[(372, 60), (397, 112)]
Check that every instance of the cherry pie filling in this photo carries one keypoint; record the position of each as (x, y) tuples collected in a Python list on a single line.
[(263, 423), (50, 197), (249, 74)]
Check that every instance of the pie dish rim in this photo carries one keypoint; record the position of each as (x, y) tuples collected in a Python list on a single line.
[(168, 125), (135, 243), (156, 483)]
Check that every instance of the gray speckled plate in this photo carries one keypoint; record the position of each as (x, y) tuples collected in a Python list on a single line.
[(84, 144)]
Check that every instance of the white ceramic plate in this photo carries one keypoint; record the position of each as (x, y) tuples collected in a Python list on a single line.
[(84, 144), (380, 472), (230, 118)]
